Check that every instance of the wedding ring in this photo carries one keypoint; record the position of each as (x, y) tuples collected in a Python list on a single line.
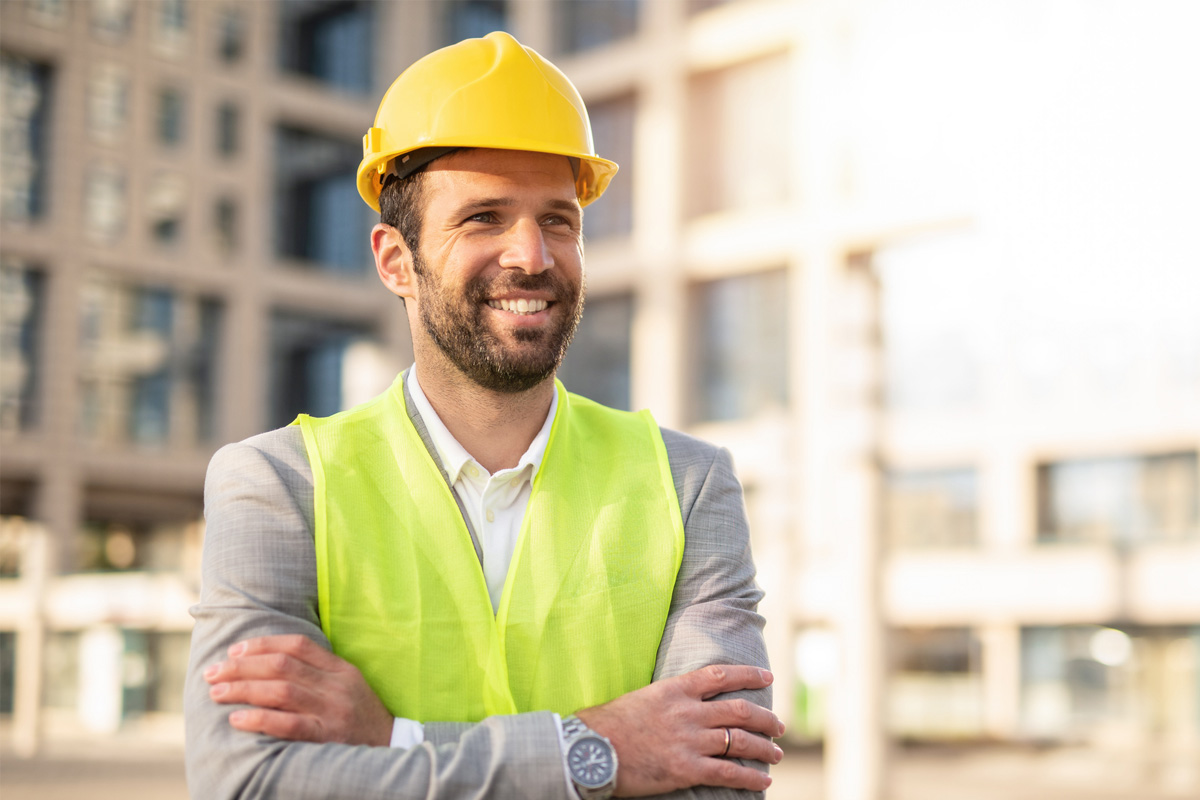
[(728, 741)]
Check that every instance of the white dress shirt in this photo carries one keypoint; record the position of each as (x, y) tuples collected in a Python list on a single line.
[(495, 506)]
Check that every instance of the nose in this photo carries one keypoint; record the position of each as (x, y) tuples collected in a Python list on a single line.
[(525, 248)]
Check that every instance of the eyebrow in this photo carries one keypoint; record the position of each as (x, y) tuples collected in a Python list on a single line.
[(466, 209)]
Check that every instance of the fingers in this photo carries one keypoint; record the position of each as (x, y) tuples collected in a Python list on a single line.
[(280, 724), (743, 744), (295, 645), (723, 772), (281, 695), (741, 713), (270, 666), (720, 678)]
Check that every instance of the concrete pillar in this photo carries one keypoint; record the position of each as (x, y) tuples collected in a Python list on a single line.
[(31, 638), (659, 325), (855, 748), (100, 702), (1001, 653)]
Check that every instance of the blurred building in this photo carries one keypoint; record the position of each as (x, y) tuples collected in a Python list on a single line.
[(857, 244)]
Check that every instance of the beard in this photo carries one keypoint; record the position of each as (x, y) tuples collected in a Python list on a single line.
[(457, 327)]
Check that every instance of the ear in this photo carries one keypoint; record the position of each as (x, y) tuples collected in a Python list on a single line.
[(393, 261)]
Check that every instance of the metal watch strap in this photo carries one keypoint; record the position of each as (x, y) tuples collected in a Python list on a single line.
[(574, 729), (573, 726)]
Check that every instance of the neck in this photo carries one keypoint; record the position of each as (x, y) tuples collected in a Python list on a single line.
[(496, 428)]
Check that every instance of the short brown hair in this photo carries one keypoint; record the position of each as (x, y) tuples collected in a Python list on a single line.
[(402, 205)]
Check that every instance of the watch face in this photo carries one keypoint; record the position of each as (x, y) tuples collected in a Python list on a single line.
[(590, 762)]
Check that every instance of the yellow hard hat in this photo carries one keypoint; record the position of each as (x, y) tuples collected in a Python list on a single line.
[(489, 92)]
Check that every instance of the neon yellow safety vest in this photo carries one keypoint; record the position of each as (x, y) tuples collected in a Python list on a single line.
[(402, 595)]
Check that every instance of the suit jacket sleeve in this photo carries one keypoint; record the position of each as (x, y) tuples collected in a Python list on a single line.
[(259, 578)]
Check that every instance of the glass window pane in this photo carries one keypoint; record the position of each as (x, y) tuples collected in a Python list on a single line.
[(112, 19), (739, 346), (612, 129), (589, 23), (228, 123), (225, 228), (597, 365), (147, 364), (931, 509), (166, 203), (24, 135), (1119, 500), (104, 202), (320, 217), (108, 103), (329, 41), (21, 312), (231, 34), (170, 29), (471, 19), (52, 13), (741, 132), (308, 363), (169, 122), (936, 338)]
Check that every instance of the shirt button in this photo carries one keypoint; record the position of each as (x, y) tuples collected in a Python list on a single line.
[(474, 473), (491, 515), (515, 482)]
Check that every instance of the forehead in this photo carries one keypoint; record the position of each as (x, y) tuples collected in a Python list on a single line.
[(480, 170)]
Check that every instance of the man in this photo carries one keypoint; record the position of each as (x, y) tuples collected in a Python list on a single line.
[(525, 594)]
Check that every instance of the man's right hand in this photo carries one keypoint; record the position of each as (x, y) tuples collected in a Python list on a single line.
[(667, 737)]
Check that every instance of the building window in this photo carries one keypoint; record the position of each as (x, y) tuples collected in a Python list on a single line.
[(741, 132), (22, 295), (699, 6), (169, 122), (320, 216), (148, 365), (170, 27), (8, 671), (585, 24), (472, 19), (597, 365), (612, 128), (329, 41), (112, 19), (104, 202), (231, 34), (228, 124), (52, 13), (132, 529), (1123, 501), (929, 307), (308, 364), (225, 227), (24, 134), (935, 688), (108, 103), (739, 335), (166, 203), (931, 509)]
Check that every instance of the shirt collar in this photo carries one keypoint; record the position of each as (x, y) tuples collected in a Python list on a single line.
[(454, 456)]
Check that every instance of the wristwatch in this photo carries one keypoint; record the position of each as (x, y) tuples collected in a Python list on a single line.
[(591, 760)]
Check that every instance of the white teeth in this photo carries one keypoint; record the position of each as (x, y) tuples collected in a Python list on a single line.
[(521, 306)]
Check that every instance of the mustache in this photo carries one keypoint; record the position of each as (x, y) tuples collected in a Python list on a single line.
[(480, 289)]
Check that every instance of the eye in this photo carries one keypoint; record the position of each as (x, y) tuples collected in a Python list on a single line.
[(482, 216), (555, 220)]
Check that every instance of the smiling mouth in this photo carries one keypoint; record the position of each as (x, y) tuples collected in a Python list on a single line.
[(521, 306)]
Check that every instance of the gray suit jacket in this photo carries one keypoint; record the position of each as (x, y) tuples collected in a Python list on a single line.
[(259, 578)]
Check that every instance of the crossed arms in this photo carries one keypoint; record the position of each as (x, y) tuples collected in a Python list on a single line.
[(259, 581)]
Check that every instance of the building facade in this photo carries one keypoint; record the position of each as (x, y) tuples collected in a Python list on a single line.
[(975, 513)]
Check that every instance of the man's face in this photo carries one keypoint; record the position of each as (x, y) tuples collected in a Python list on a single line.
[(500, 283)]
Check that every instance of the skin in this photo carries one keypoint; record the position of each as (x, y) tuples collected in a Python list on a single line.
[(496, 224)]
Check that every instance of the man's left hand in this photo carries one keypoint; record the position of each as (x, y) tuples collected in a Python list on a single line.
[(299, 691)]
